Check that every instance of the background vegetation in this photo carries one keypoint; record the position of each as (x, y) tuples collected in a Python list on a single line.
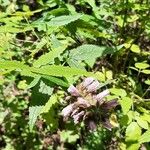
[(47, 45)]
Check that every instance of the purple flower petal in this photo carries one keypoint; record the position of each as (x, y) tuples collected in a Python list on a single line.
[(101, 95), (91, 125), (67, 110), (76, 117), (73, 91), (107, 124), (87, 81), (110, 104), (93, 87), (74, 112), (83, 102)]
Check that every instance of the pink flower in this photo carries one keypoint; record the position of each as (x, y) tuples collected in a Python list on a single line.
[(67, 110), (74, 112), (73, 91), (101, 95), (83, 102), (93, 87), (110, 104), (77, 117), (87, 81)]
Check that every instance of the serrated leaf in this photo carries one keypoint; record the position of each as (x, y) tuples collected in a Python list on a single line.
[(49, 114), (45, 89), (126, 104), (49, 57), (145, 137), (28, 73), (13, 65), (52, 70), (34, 112), (61, 71), (75, 63), (39, 46), (56, 80), (34, 82), (142, 65), (63, 20), (53, 100), (133, 132), (89, 53), (142, 123)]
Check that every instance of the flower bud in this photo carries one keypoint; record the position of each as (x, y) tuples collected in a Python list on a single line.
[(73, 91)]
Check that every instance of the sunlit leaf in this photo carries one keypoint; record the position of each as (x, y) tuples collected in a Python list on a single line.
[(34, 112), (145, 137), (142, 123), (146, 71), (119, 92), (135, 48), (142, 65), (126, 104), (63, 20), (133, 132)]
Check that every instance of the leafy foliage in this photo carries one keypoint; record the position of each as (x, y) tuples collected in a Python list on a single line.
[(46, 45)]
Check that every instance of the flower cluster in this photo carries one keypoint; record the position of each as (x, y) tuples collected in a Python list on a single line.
[(87, 101)]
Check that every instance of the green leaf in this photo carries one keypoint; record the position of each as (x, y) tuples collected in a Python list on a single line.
[(64, 20), (126, 104), (133, 132), (146, 117), (132, 18), (145, 137), (34, 112), (39, 46), (142, 123), (147, 82), (34, 82), (135, 48), (22, 85), (45, 89), (146, 71), (52, 70), (3, 114), (118, 92), (142, 65), (13, 65), (89, 53), (134, 146), (56, 80), (52, 101), (60, 71), (49, 114), (49, 57), (68, 136), (29, 73)]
